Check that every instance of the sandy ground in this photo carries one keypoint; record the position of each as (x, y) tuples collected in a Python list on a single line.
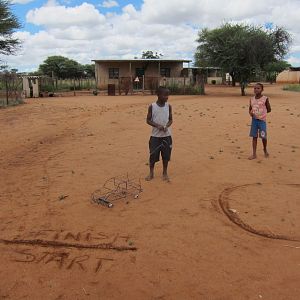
[(178, 239)]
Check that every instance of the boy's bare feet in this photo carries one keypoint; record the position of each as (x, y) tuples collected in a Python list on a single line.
[(266, 154), (166, 178), (252, 157), (149, 177)]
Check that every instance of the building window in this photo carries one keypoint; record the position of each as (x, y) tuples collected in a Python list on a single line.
[(113, 73), (165, 72)]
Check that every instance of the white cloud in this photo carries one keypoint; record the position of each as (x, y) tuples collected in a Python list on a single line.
[(130, 11), (79, 33), (57, 16), (202, 12), (51, 3), (21, 1), (109, 4), (82, 33)]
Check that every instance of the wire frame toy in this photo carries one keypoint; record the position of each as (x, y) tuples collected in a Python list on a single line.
[(117, 188)]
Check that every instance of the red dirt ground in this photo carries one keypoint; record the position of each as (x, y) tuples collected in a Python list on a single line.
[(55, 152)]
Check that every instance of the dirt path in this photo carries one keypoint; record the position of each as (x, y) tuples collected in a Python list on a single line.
[(175, 241)]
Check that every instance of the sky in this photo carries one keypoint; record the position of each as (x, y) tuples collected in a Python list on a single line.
[(91, 29)]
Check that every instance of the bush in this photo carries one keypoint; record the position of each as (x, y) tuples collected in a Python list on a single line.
[(194, 90), (188, 90), (213, 81), (292, 87), (174, 89), (65, 85), (12, 102)]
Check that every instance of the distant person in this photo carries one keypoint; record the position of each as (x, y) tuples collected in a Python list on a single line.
[(258, 109), (160, 118)]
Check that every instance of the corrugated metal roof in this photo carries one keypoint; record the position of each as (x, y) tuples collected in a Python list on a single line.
[(203, 68), (142, 60)]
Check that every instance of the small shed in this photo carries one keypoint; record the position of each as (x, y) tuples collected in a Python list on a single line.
[(31, 86)]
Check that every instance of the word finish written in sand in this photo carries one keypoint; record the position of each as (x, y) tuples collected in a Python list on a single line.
[(63, 238), (68, 241)]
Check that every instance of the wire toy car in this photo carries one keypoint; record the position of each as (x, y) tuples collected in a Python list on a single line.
[(117, 188)]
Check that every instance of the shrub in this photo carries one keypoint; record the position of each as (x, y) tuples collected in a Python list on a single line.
[(188, 90), (292, 87), (174, 89), (12, 102)]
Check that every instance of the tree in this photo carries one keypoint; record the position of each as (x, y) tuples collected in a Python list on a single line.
[(8, 24), (274, 68), (61, 67), (89, 70), (149, 54), (241, 49)]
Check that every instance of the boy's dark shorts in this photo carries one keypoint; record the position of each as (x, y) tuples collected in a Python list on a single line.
[(258, 127), (160, 145)]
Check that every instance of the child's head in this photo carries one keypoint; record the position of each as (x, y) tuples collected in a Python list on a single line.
[(258, 88), (163, 94)]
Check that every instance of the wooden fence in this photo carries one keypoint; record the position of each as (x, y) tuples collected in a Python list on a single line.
[(10, 89)]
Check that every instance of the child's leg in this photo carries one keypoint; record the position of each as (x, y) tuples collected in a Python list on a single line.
[(151, 173), (154, 149), (166, 156), (264, 141), (263, 135), (254, 147), (165, 170), (253, 134)]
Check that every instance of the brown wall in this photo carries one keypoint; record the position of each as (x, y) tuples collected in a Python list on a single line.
[(288, 77), (152, 70)]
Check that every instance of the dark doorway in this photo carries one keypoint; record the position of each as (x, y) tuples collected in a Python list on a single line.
[(139, 74)]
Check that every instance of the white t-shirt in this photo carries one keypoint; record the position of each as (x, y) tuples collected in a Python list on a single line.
[(160, 115)]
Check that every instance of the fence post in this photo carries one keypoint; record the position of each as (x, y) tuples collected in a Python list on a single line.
[(143, 84), (6, 87), (74, 88), (184, 84)]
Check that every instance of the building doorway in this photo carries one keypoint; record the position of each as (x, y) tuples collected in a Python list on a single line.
[(139, 78)]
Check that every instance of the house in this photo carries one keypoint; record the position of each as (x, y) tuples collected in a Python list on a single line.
[(139, 74), (292, 75)]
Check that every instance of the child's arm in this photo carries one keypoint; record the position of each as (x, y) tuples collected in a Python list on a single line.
[(170, 118), (149, 120), (250, 109), (268, 105)]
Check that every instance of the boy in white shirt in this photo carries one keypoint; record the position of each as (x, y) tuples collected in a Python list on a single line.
[(160, 118)]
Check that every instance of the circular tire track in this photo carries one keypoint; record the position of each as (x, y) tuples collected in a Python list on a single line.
[(224, 199)]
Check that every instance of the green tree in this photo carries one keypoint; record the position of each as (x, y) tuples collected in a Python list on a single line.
[(8, 24), (61, 67), (89, 70), (274, 68), (149, 54), (241, 49)]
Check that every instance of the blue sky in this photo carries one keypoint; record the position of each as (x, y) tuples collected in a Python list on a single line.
[(86, 30)]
